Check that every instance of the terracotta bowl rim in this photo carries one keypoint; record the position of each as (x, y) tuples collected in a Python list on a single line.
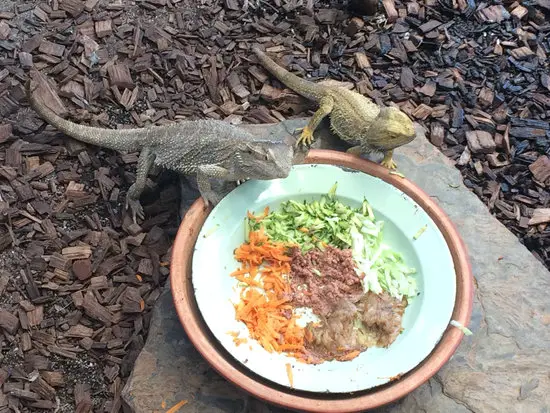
[(222, 362)]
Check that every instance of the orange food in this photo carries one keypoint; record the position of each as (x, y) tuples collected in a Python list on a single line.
[(239, 341), (258, 218), (177, 406), (349, 356), (264, 307), (289, 374)]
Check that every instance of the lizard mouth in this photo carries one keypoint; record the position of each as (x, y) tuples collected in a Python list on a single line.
[(242, 181)]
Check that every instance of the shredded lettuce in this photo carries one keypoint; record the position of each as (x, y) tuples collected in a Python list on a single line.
[(328, 221)]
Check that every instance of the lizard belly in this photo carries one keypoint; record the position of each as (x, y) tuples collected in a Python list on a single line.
[(174, 163)]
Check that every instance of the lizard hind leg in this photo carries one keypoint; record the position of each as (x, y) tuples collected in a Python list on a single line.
[(145, 163), (355, 150), (325, 107)]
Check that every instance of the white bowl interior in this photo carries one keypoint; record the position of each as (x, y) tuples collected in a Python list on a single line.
[(425, 318)]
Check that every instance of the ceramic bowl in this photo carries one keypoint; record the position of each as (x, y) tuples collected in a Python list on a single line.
[(200, 282)]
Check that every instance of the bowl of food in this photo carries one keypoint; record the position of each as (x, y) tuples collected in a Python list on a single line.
[(340, 288)]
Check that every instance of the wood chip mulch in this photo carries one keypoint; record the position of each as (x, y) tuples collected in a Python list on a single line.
[(78, 279)]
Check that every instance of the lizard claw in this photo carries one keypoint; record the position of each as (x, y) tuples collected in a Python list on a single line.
[(389, 163), (211, 198), (135, 209), (306, 137)]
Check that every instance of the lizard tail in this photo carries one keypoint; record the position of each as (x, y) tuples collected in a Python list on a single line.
[(124, 139), (304, 87)]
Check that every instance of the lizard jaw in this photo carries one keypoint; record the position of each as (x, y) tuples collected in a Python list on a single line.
[(242, 181)]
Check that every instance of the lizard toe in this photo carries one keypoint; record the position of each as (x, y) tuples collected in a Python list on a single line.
[(306, 137), (390, 164), (136, 210)]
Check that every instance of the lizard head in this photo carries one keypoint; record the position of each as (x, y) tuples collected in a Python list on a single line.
[(392, 128), (265, 160)]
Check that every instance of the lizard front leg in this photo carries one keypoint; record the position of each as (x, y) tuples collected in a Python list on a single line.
[(204, 174), (325, 107), (388, 161), (145, 163)]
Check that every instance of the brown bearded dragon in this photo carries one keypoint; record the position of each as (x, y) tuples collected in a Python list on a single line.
[(353, 117), (204, 148)]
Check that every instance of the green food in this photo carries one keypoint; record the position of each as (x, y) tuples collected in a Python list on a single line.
[(315, 224), (384, 269), (420, 232), (312, 224), (465, 330)]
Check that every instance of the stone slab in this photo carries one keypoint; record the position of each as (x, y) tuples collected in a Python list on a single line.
[(503, 367)]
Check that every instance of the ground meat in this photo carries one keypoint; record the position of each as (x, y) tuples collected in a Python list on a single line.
[(373, 321), (382, 314), (320, 279)]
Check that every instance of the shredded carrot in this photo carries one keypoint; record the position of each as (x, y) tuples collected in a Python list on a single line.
[(264, 307), (258, 218), (349, 356), (238, 341), (264, 302), (289, 374), (176, 407)]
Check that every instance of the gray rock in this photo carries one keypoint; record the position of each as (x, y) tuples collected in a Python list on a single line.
[(503, 367)]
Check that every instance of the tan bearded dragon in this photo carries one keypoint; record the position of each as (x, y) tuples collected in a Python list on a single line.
[(204, 148), (353, 117)]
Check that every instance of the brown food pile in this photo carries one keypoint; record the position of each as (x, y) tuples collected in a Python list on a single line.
[(326, 281), (375, 320), (337, 280)]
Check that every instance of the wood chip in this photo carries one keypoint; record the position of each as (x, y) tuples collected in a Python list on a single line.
[(119, 75), (522, 53), (103, 28), (540, 216), (8, 321), (480, 141), (73, 7), (95, 310), (51, 48), (391, 11), (5, 30), (132, 301), (541, 169)]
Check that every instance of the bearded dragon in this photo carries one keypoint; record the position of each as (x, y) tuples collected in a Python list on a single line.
[(203, 148), (353, 117)]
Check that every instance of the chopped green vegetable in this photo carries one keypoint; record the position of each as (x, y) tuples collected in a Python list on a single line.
[(328, 221), (313, 224), (211, 231), (384, 269), (465, 330), (397, 173), (420, 232)]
